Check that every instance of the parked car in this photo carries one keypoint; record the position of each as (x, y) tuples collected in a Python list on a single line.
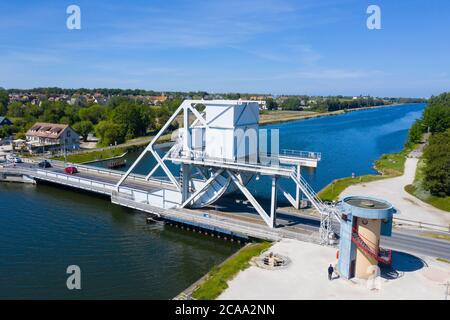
[(17, 160), (71, 170), (44, 164)]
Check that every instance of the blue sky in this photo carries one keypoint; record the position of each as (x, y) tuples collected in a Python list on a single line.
[(268, 46)]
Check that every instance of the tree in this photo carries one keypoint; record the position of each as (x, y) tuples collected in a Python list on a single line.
[(94, 114), (83, 128), (4, 101), (291, 103), (5, 131), (415, 132), (271, 104), (437, 157), (437, 115), (16, 110), (109, 133), (130, 117)]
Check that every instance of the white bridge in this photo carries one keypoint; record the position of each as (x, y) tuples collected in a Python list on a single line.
[(218, 150)]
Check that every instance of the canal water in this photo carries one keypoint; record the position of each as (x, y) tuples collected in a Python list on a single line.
[(44, 229), (349, 144)]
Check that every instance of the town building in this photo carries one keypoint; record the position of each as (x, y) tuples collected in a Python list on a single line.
[(44, 137), (5, 122)]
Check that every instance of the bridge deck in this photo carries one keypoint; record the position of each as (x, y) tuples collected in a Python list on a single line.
[(104, 181), (237, 224)]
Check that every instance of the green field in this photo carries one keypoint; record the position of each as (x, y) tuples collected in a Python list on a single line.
[(216, 280)]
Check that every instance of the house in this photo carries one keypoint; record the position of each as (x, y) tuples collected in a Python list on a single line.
[(5, 122), (52, 137), (157, 99)]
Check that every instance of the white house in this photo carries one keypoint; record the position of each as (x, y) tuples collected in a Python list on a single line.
[(51, 136)]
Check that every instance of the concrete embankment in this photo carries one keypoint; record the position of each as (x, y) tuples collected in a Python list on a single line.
[(16, 178)]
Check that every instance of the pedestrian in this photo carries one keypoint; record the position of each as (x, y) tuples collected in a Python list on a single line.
[(330, 272)]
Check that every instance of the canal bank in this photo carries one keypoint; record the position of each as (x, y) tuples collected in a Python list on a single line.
[(387, 166), (212, 284), (274, 119)]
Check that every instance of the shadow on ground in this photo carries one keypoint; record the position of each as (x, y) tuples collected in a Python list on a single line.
[(402, 262)]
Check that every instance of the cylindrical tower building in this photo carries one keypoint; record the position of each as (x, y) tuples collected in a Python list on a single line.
[(364, 221)]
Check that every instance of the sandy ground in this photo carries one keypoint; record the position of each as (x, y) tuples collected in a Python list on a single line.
[(392, 190), (306, 278)]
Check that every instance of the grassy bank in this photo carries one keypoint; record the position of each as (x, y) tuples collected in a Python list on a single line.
[(216, 280), (93, 155), (279, 116), (416, 189), (389, 166), (332, 191), (111, 152)]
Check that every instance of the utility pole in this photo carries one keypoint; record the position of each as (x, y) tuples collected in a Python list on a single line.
[(65, 152)]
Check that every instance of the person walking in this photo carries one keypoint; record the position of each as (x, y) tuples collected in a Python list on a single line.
[(330, 272)]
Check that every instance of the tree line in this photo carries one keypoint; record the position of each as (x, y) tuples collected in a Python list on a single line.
[(119, 120), (436, 121), (334, 103)]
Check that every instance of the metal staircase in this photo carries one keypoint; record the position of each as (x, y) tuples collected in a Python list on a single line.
[(384, 256), (327, 212), (212, 192)]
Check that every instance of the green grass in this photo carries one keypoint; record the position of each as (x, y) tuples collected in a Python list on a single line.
[(392, 164), (416, 189), (216, 280), (443, 260), (389, 165), (93, 155), (115, 151), (440, 236), (333, 190)]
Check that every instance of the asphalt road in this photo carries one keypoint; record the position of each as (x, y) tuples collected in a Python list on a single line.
[(405, 241)]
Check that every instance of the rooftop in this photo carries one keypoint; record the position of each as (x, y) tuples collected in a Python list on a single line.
[(47, 130)]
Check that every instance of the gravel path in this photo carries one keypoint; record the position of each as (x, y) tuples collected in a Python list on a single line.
[(392, 190)]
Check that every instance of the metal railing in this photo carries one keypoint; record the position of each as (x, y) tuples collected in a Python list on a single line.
[(421, 224), (243, 163), (301, 154), (113, 173), (72, 180)]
